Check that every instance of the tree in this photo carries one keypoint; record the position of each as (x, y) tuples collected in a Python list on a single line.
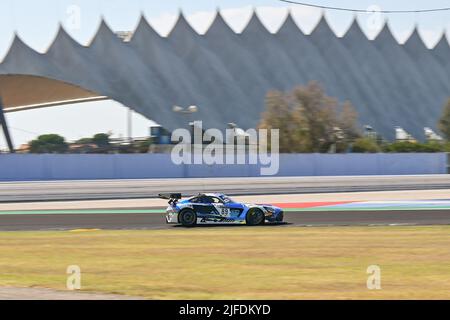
[(408, 147), (84, 141), (101, 140), (309, 120), (444, 122), (280, 115), (144, 146), (49, 143), (366, 145), (348, 122), (319, 111)]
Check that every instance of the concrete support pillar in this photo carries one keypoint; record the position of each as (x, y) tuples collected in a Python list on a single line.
[(5, 128)]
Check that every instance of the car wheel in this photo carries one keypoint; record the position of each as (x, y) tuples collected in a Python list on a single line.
[(280, 217), (188, 218), (255, 217)]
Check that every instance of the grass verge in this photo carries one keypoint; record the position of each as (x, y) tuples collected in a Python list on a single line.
[(236, 263)]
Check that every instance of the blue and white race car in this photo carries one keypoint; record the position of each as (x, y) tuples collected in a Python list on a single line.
[(216, 208)]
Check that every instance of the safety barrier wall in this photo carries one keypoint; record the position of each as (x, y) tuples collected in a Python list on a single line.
[(448, 163), (26, 167)]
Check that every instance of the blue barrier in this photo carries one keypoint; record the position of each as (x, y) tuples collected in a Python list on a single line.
[(27, 167)]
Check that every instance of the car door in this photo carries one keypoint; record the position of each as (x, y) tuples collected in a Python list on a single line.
[(235, 209), (203, 206), (222, 210)]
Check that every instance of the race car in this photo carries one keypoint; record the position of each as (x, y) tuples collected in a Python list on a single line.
[(217, 208)]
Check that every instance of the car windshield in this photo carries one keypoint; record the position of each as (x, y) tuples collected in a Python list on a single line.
[(227, 199)]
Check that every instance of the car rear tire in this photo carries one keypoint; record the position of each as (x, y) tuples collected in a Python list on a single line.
[(188, 218), (255, 217)]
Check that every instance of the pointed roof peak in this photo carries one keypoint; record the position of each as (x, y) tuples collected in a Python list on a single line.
[(355, 29), (415, 37), (219, 15), (255, 24), (289, 17), (415, 31), (103, 31), (143, 21), (442, 48), (443, 36), (289, 24), (144, 29), (19, 43), (17, 38), (355, 22), (322, 25), (443, 40), (385, 33), (17, 47), (104, 25), (219, 25), (182, 25), (63, 35)]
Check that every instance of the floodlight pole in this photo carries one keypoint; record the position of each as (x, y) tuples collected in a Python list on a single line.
[(130, 125), (5, 128)]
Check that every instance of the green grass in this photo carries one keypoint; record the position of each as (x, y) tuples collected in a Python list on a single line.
[(236, 263)]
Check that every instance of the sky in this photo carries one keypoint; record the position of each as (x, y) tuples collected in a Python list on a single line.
[(37, 21)]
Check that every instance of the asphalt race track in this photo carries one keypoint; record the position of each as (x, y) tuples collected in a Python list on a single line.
[(155, 220)]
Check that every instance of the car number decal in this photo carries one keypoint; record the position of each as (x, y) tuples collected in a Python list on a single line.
[(222, 211)]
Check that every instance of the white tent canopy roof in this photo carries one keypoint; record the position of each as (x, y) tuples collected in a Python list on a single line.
[(228, 75)]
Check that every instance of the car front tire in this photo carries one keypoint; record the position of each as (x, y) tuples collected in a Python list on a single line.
[(255, 217), (188, 218), (280, 217)]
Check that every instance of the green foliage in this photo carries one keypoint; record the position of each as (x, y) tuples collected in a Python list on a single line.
[(84, 141), (144, 146), (281, 115), (126, 149), (366, 145), (101, 140), (309, 120), (433, 146), (444, 122), (447, 147), (404, 147), (49, 143), (99, 143)]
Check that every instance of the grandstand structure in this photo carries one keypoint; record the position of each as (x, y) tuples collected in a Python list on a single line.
[(228, 74)]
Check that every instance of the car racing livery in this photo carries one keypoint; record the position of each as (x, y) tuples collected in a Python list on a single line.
[(216, 208)]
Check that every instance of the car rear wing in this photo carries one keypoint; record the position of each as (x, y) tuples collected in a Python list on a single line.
[(172, 197)]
